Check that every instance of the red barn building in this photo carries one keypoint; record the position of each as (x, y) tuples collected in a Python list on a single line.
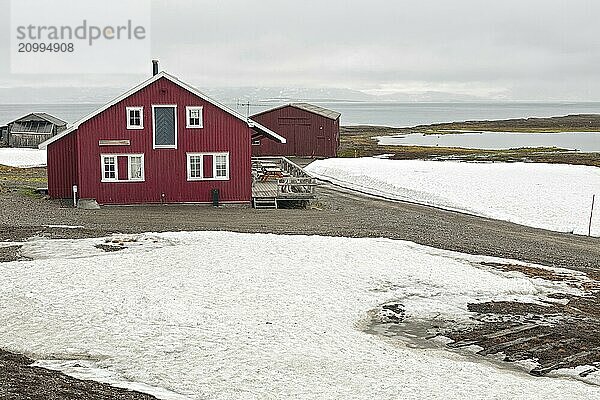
[(310, 131), (161, 142)]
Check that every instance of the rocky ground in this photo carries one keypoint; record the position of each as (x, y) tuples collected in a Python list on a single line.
[(19, 380), (556, 335)]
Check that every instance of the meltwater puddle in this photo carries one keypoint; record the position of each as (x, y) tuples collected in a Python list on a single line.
[(39, 248)]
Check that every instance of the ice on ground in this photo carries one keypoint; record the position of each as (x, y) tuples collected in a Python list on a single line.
[(225, 316), (22, 158), (549, 196)]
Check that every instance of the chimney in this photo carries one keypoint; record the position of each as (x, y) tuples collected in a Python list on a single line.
[(154, 67)]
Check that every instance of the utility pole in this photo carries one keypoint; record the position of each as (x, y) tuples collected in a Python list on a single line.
[(591, 215)]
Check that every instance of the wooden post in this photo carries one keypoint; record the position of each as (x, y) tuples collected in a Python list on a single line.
[(591, 215), (75, 196)]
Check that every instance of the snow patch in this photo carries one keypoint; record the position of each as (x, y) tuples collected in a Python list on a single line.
[(224, 315), (548, 196), (22, 158)]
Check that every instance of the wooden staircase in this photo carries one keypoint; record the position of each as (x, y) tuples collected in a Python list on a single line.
[(265, 202)]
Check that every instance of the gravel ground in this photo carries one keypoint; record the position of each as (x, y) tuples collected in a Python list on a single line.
[(335, 213), (18, 380)]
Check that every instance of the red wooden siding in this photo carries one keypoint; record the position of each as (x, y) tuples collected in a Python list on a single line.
[(307, 134), (123, 168), (62, 167), (207, 168), (165, 170)]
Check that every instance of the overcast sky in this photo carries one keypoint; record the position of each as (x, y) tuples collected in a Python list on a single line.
[(514, 49)]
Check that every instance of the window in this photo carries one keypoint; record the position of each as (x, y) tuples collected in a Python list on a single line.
[(136, 168), (255, 142), (164, 120), (109, 168), (195, 167), (135, 117), (207, 166), (122, 167), (194, 117), (221, 166)]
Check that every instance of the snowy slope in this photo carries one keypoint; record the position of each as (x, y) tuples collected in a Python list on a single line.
[(247, 316), (549, 196), (22, 158)]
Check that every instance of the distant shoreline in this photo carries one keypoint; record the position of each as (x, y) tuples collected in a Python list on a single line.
[(568, 123), (358, 141)]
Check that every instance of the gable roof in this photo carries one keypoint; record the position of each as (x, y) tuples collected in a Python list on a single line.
[(45, 116), (251, 124), (324, 112)]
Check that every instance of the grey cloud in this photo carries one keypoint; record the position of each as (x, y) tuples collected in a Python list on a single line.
[(523, 49)]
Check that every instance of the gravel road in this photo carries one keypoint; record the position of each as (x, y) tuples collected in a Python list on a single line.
[(336, 212)]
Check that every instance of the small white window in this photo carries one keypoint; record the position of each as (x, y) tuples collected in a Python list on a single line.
[(255, 142), (218, 172), (136, 168), (195, 164), (135, 117), (109, 168), (193, 117), (221, 166)]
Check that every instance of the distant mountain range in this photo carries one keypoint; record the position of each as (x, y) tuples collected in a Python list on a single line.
[(53, 95)]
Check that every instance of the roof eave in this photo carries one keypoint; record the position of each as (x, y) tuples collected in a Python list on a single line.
[(267, 131)]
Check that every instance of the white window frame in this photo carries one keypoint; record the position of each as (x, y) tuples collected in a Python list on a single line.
[(214, 166), (141, 110), (103, 168), (154, 145), (187, 117), (116, 157), (189, 166), (129, 178), (255, 142)]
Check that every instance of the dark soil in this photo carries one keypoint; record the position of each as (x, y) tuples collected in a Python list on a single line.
[(19, 381), (554, 335), (109, 247), (10, 253)]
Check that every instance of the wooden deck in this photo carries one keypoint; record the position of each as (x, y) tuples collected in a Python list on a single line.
[(264, 189), (277, 179)]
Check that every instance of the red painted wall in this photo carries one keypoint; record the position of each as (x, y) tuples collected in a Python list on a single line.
[(62, 167), (165, 170), (307, 134)]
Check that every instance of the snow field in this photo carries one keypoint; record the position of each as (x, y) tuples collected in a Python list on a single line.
[(249, 316), (548, 196), (22, 158)]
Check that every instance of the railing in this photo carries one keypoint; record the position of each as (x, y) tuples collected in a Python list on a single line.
[(296, 187), (295, 183)]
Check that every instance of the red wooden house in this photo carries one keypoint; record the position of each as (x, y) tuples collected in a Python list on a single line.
[(310, 131), (161, 142)]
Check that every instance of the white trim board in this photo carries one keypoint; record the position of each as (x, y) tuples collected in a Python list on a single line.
[(248, 121)]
